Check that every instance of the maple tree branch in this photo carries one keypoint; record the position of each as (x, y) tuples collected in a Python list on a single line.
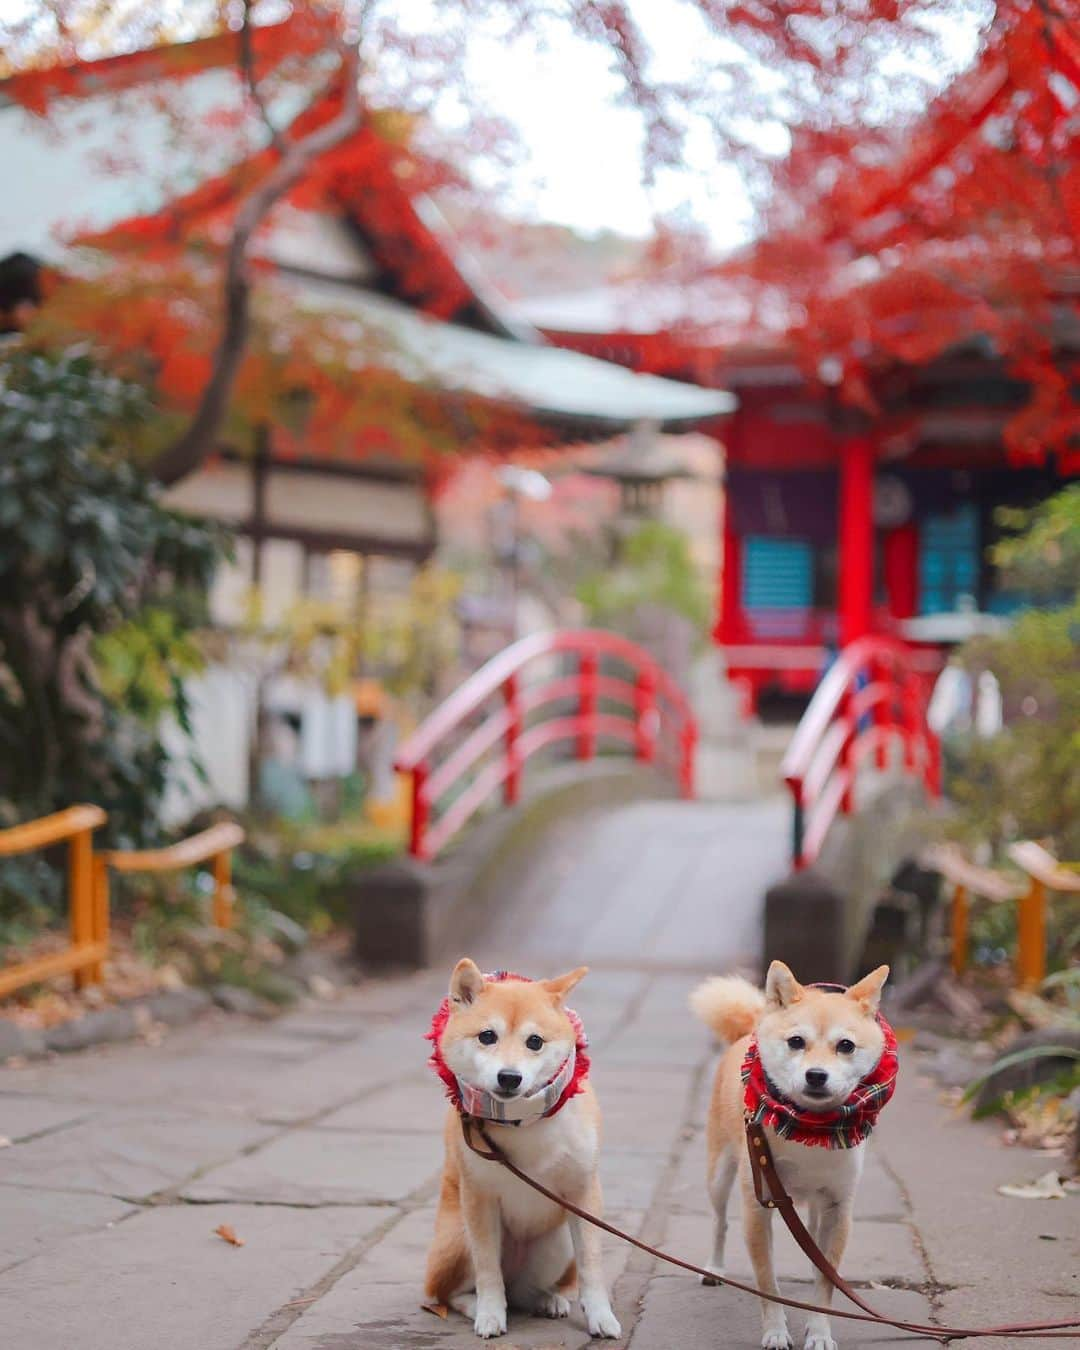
[(247, 66), (197, 440)]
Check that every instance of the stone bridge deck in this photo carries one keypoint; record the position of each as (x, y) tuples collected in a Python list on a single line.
[(317, 1139)]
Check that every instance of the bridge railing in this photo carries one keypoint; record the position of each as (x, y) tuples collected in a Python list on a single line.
[(523, 701), (875, 694)]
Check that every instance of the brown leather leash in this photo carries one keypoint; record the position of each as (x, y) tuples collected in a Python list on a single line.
[(765, 1174)]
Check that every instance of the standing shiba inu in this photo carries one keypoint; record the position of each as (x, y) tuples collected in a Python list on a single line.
[(512, 1055), (813, 1066)]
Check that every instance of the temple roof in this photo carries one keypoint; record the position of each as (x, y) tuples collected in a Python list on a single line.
[(136, 149)]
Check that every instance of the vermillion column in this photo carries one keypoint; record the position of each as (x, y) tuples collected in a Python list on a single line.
[(856, 537)]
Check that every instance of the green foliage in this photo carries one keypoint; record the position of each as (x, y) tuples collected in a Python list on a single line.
[(1042, 555), (99, 586), (655, 567), (1025, 782), (303, 870), (405, 639)]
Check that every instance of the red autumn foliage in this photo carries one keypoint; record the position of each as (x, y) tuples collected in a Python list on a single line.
[(891, 233)]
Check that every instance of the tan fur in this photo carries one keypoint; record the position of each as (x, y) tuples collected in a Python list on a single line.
[(825, 1179), (729, 1005), (492, 1233)]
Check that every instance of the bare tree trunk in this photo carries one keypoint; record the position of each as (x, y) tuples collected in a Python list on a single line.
[(198, 439)]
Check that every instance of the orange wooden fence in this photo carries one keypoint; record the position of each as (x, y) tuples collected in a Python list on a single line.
[(88, 886), (971, 882), (213, 845), (88, 922)]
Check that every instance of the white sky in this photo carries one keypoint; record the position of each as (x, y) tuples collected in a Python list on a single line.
[(581, 160)]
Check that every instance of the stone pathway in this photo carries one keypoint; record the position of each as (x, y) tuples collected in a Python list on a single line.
[(316, 1138), (663, 885)]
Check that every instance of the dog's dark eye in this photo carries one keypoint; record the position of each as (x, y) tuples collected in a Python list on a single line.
[(534, 1042), (796, 1043), (487, 1037), (845, 1047)]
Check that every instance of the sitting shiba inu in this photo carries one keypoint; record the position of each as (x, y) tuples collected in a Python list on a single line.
[(514, 1056), (813, 1066)]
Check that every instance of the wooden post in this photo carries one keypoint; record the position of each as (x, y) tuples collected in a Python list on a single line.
[(587, 672), (223, 891), (512, 788), (847, 754), (101, 913), (648, 717), (730, 608), (882, 670), (418, 828), (856, 538), (798, 825), (959, 918), (1031, 936), (686, 761), (81, 892)]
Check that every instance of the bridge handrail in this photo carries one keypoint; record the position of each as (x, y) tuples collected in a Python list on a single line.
[(431, 782), (844, 721)]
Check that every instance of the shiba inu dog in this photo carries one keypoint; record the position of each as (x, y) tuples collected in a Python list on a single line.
[(513, 1055), (812, 1066)]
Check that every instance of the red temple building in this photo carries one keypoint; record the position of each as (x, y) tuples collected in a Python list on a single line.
[(881, 421)]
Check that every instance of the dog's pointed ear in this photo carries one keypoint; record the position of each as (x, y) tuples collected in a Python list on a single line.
[(781, 987), (466, 983), (867, 993), (561, 985)]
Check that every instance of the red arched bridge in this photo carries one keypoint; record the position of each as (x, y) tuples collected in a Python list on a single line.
[(583, 689), (590, 691), (681, 882)]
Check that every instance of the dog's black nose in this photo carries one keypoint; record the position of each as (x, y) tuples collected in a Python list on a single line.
[(509, 1080), (815, 1078)]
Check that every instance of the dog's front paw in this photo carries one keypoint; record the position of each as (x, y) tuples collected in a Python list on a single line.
[(818, 1338), (552, 1304), (775, 1338), (600, 1320), (490, 1320)]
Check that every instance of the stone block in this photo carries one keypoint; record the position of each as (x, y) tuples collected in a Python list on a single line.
[(18, 1042), (94, 1028)]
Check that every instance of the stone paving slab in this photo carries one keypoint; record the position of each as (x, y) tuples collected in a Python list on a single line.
[(679, 1314), (163, 1280), (34, 1221), (408, 1107), (376, 1306), (309, 1167), (877, 1247), (24, 1117), (128, 1154), (323, 1154)]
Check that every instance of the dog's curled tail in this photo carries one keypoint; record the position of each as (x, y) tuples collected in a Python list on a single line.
[(729, 1005)]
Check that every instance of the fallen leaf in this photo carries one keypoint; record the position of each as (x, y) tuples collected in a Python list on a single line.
[(227, 1234), (439, 1309), (1046, 1187)]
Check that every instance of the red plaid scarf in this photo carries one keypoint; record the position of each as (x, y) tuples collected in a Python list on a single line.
[(453, 1088), (843, 1126)]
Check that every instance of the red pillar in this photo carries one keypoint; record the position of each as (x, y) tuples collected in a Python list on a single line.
[(727, 621), (900, 560), (856, 537)]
